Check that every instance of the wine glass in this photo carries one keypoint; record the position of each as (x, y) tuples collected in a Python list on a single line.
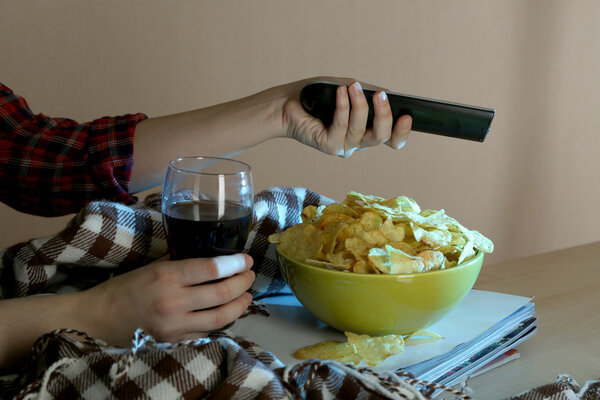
[(207, 206)]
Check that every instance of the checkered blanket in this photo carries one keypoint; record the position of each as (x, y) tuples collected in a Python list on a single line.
[(565, 388), (106, 239)]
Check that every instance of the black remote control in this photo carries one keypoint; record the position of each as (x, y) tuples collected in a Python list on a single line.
[(429, 115)]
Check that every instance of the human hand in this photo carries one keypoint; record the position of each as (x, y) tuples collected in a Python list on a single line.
[(348, 132), (171, 300)]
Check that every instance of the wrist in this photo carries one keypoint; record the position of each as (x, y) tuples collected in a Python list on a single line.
[(272, 102), (93, 320), (289, 109), (20, 328)]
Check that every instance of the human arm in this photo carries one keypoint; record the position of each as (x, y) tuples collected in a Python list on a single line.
[(169, 299), (238, 125), (53, 166)]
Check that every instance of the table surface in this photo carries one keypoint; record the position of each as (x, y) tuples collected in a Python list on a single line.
[(566, 288)]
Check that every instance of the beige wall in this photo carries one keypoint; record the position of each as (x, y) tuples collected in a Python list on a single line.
[(531, 187)]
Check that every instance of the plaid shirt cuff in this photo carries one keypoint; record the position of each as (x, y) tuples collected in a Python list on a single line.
[(55, 166), (110, 146)]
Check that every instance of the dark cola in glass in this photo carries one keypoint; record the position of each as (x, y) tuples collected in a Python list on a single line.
[(195, 229)]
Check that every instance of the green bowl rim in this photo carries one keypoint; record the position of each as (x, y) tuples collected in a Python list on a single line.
[(464, 265)]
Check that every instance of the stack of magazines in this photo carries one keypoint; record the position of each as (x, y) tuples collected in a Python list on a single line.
[(490, 348), (481, 333)]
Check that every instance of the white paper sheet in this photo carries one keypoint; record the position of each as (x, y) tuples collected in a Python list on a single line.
[(290, 327)]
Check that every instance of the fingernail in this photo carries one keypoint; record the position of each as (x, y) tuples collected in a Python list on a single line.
[(382, 96), (401, 145), (356, 88), (348, 153), (230, 265)]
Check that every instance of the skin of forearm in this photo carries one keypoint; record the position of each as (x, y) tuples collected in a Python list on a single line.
[(217, 131), (19, 328)]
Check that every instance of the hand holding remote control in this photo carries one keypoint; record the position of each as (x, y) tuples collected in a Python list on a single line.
[(429, 115)]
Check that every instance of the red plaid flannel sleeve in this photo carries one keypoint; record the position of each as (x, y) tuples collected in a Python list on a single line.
[(54, 166)]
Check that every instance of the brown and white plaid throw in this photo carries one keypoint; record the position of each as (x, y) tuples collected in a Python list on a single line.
[(565, 388), (106, 239)]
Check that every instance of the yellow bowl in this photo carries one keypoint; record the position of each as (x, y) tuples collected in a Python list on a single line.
[(379, 304)]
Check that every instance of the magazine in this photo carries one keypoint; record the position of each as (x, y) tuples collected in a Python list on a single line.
[(481, 329)]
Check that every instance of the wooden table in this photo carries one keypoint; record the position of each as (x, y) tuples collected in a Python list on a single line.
[(566, 287)]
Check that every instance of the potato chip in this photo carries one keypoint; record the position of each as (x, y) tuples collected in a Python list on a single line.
[(370, 234), (390, 260), (380, 259), (374, 237), (364, 267), (321, 263), (432, 260), (467, 252), (354, 198), (482, 243), (405, 247), (300, 242), (402, 263), (327, 219), (342, 260), (343, 352), (309, 213), (391, 232), (402, 204), (373, 350), (370, 221), (357, 247), (433, 238), (351, 230), (399, 205), (331, 226), (338, 208), (422, 337)]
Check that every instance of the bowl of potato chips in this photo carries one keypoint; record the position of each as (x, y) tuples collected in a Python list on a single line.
[(379, 266)]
